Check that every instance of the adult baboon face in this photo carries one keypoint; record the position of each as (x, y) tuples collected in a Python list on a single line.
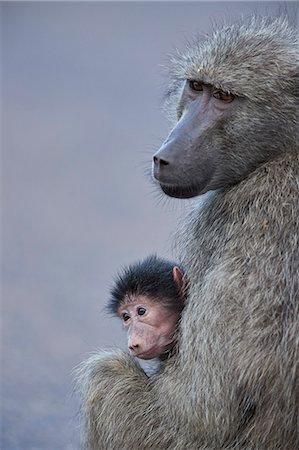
[(236, 107), (186, 164)]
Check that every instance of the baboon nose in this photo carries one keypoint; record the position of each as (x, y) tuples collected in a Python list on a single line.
[(133, 347), (160, 161), (161, 165)]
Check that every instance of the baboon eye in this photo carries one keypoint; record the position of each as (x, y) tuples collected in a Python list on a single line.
[(195, 85), (224, 96), (126, 317), (141, 311)]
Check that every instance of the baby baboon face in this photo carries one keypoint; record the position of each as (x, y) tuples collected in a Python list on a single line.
[(150, 326)]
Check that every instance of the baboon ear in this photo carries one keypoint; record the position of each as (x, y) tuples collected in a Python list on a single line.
[(180, 280)]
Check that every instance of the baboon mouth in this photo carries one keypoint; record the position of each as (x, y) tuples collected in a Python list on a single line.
[(148, 354), (144, 356), (180, 191)]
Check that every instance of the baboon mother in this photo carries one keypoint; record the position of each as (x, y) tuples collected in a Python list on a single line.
[(234, 380)]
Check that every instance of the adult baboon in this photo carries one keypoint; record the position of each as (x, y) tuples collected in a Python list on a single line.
[(234, 383)]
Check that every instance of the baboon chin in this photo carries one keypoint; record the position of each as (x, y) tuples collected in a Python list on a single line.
[(233, 382)]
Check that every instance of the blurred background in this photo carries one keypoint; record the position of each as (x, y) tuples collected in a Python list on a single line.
[(82, 88)]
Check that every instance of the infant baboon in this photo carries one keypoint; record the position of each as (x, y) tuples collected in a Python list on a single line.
[(234, 381), (148, 297)]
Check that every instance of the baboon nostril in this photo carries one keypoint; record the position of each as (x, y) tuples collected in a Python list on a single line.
[(133, 346), (159, 161)]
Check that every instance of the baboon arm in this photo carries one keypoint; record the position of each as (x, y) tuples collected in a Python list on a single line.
[(118, 402)]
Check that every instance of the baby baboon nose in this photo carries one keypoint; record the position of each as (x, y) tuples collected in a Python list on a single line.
[(133, 347)]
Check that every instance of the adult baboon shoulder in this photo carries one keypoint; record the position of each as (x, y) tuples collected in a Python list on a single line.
[(234, 381)]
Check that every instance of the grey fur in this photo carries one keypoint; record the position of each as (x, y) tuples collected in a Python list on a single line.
[(234, 382)]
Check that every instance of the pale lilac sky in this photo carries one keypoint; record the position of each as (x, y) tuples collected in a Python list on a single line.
[(82, 90)]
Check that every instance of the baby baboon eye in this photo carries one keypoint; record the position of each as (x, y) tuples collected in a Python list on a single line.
[(141, 311), (126, 317), (195, 85), (224, 96)]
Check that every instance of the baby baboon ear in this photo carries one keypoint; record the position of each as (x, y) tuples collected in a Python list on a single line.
[(180, 280)]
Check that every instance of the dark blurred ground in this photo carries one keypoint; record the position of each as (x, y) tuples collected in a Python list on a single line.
[(81, 94)]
